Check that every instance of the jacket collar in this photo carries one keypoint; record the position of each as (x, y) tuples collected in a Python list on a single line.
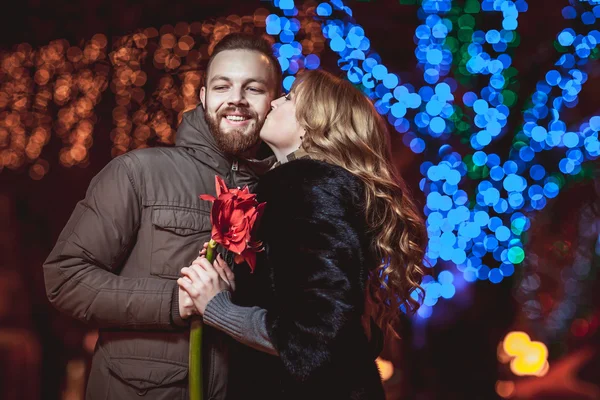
[(194, 135)]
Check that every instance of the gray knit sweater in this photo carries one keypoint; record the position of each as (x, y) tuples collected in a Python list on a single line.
[(245, 324)]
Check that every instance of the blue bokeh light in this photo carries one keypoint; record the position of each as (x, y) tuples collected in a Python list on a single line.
[(464, 227)]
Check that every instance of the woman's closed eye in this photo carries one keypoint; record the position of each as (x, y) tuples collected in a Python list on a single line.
[(288, 96)]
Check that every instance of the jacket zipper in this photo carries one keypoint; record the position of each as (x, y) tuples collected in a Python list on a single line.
[(228, 255), (234, 169)]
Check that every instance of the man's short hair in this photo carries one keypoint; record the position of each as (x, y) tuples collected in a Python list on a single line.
[(244, 41)]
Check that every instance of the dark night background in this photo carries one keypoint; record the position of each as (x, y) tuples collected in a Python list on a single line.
[(452, 357)]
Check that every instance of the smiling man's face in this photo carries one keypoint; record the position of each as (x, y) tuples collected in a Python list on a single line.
[(237, 97)]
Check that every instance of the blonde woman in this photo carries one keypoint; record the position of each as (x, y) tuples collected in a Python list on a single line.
[(343, 246)]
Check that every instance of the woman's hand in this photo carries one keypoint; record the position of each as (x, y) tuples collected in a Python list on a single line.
[(203, 251), (202, 281), (222, 268)]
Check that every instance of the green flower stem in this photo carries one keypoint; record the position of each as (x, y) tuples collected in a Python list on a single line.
[(195, 361)]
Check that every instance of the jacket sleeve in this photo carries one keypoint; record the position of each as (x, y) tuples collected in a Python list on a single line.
[(81, 272), (315, 258)]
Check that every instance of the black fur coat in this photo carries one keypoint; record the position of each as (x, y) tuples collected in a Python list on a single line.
[(311, 280)]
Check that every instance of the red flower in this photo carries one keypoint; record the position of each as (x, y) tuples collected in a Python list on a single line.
[(233, 216)]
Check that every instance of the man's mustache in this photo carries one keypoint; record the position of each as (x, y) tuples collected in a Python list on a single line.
[(237, 111)]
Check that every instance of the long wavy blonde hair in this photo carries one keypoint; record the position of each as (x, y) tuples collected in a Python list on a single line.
[(343, 128)]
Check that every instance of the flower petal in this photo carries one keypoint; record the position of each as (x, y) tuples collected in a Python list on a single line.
[(220, 185)]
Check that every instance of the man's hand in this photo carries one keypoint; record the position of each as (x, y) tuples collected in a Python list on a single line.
[(186, 305)]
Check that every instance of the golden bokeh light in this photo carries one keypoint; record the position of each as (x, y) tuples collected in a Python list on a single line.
[(260, 17), (186, 43), (168, 41), (53, 92), (531, 361), (526, 357), (505, 389), (515, 343), (544, 370), (386, 368), (38, 170)]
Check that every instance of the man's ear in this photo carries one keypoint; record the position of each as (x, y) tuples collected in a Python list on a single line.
[(203, 96)]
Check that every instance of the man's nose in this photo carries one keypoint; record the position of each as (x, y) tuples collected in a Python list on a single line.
[(237, 97)]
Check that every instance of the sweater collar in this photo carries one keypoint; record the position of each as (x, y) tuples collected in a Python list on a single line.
[(295, 155)]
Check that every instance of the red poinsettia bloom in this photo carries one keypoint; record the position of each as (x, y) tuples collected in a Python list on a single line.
[(233, 217)]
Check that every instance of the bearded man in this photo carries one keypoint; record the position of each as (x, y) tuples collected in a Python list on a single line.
[(116, 262)]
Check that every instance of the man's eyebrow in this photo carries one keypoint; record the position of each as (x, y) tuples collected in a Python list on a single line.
[(250, 80), (220, 78), (257, 80)]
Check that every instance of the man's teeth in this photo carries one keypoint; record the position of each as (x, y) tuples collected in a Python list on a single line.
[(236, 118)]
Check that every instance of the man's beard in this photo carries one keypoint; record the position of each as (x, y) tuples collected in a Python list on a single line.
[(234, 141)]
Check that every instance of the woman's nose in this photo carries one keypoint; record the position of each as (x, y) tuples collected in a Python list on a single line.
[(276, 102)]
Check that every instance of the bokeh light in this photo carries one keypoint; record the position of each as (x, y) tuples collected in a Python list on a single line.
[(526, 357), (386, 368), (505, 389)]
